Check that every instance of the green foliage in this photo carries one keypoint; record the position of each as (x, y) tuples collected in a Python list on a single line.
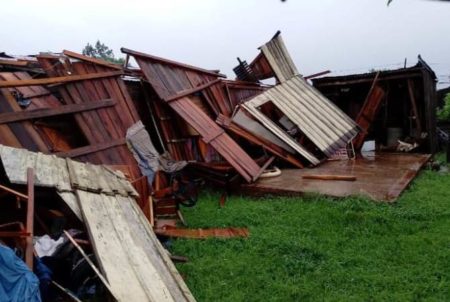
[(320, 249), (443, 114), (101, 51)]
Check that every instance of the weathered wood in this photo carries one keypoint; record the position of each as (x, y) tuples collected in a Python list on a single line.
[(92, 148), (368, 113), (89, 261), (30, 218), (14, 63), (66, 291), (330, 177), (204, 233), (382, 178), (55, 80), (359, 81), (91, 60), (18, 194), (414, 107), (188, 92), (264, 167), (172, 63), (10, 117)]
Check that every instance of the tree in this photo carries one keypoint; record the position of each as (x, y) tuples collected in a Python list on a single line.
[(101, 51)]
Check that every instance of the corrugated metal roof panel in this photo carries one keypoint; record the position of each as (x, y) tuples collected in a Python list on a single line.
[(319, 119), (279, 58)]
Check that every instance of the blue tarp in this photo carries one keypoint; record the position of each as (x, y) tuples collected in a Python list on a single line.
[(17, 282)]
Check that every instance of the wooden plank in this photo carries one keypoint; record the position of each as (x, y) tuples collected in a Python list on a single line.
[(329, 82), (10, 117), (264, 167), (170, 62), (89, 261), (258, 140), (14, 63), (330, 177), (368, 114), (30, 219), (204, 233), (91, 60), (92, 148), (414, 107), (55, 80), (188, 92), (382, 177), (16, 193)]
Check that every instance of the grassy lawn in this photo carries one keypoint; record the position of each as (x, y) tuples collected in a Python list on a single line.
[(320, 249)]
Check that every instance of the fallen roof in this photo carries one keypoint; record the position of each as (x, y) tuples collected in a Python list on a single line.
[(175, 83), (319, 119), (415, 70), (323, 123), (132, 259)]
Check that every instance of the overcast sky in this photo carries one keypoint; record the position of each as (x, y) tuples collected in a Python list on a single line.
[(347, 36)]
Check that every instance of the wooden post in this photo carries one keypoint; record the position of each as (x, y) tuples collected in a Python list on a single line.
[(414, 108), (30, 218)]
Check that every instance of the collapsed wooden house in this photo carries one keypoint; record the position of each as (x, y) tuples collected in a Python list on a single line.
[(98, 117)]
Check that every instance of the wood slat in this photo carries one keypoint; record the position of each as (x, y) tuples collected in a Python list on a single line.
[(10, 117), (57, 80)]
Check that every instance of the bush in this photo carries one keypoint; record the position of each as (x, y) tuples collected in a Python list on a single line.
[(443, 114)]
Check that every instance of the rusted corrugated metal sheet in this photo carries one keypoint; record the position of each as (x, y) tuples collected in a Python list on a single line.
[(130, 256), (175, 83), (320, 120)]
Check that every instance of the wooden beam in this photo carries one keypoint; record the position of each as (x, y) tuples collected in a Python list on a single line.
[(382, 78), (188, 92), (170, 62), (315, 75), (91, 60), (55, 80), (330, 177), (30, 218), (92, 148), (12, 117), (14, 63), (264, 167), (36, 95), (91, 264), (18, 194), (414, 107)]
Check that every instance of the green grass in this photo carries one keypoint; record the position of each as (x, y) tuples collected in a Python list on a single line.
[(319, 249)]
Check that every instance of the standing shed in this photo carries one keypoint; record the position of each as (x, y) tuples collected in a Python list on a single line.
[(408, 104)]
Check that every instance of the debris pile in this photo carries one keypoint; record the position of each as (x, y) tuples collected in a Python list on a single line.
[(97, 158)]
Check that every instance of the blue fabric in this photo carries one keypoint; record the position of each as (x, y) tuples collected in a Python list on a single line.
[(45, 278), (17, 282)]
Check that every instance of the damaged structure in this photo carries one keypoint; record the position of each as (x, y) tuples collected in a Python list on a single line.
[(113, 152)]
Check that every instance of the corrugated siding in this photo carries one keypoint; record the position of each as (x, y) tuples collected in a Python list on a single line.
[(319, 119), (279, 59)]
